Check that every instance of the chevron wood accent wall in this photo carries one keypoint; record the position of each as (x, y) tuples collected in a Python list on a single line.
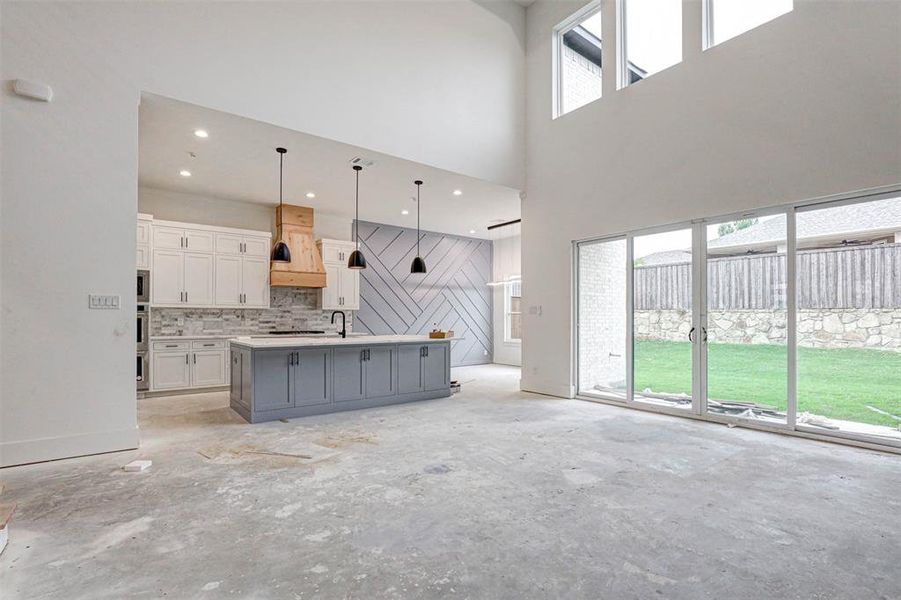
[(453, 293)]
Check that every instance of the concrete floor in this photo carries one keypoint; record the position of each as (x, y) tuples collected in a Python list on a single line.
[(489, 494)]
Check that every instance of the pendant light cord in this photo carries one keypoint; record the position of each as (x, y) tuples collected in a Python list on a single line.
[(357, 224), (281, 163), (418, 211)]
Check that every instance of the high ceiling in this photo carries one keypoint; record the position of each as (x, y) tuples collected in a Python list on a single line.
[(238, 162)]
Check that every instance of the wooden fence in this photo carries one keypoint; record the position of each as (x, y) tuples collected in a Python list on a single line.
[(854, 277)]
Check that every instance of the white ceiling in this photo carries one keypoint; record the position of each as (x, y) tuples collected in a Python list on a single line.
[(238, 161)]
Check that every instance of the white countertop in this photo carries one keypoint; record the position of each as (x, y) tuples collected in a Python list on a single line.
[(176, 338), (302, 342)]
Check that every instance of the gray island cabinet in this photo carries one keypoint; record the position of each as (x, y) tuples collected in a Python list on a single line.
[(279, 378)]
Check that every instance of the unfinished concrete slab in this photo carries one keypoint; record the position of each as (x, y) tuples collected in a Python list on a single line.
[(491, 493)]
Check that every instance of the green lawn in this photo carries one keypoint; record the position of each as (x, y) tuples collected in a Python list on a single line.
[(836, 383)]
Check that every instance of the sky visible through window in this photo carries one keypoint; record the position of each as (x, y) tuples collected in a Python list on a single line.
[(734, 17), (593, 24), (653, 34)]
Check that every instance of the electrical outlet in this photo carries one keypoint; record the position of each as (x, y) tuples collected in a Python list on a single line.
[(101, 302)]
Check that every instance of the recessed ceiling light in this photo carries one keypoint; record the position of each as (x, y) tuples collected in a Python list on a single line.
[(458, 192), (201, 133), (471, 231), (184, 173), (405, 212), (311, 195)]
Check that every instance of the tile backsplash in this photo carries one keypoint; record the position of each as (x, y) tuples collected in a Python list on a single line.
[(290, 308)]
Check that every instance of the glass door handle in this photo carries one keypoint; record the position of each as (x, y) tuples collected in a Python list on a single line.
[(690, 334)]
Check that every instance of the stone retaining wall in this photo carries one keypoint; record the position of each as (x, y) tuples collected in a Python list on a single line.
[(817, 328)]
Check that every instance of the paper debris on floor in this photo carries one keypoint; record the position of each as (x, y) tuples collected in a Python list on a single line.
[(6, 513), (137, 466)]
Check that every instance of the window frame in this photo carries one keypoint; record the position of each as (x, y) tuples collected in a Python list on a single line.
[(508, 312), (584, 13)]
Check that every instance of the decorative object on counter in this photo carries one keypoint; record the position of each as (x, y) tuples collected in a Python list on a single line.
[(418, 265), (437, 334), (357, 260), (280, 252)]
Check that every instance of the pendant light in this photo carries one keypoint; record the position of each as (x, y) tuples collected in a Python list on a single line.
[(280, 252), (357, 260), (418, 265)]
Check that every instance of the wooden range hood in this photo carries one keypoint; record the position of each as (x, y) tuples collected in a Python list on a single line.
[(295, 227)]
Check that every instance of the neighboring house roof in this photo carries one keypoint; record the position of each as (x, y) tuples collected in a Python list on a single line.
[(865, 221), (852, 221), (667, 257)]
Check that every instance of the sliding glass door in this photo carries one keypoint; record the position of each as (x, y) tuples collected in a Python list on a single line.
[(783, 319), (849, 319), (663, 319), (745, 330)]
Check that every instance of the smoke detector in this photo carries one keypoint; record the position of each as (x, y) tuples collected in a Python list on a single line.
[(361, 161)]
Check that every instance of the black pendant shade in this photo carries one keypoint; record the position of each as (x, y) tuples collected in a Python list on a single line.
[(280, 252), (418, 264), (357, 260)]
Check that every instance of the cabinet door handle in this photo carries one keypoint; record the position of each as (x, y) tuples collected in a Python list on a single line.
[(426, 350), (208, 345), (186, 241), (186, 296), (186, 359), (171, 345), (195, 359)]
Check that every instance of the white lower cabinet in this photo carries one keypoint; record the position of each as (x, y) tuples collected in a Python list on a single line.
[(170, 370), (186, 363), (208, 368)]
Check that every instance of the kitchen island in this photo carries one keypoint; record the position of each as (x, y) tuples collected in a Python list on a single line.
[(276, 378)]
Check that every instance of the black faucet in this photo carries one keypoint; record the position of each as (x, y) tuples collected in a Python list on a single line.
[(343, 331)]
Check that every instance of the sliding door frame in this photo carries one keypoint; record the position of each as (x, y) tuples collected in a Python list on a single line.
[(699, 320)]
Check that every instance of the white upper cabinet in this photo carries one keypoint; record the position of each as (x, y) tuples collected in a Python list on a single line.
[(242, 281), (243, 245), (167, 285), (204, 266), (198, 279), (342, 291), (255, 282), (142, 239), (195, 240), (228, 280)]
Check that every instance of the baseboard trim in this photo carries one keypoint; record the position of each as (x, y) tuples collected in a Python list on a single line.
[(560, 391), (67, 446)]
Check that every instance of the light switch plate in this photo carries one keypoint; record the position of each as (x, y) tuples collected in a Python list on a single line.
[(101, 302)]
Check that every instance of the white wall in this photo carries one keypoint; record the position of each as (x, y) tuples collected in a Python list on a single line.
[(804, 106), (207, 210), (426, 81), (505, 262)]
